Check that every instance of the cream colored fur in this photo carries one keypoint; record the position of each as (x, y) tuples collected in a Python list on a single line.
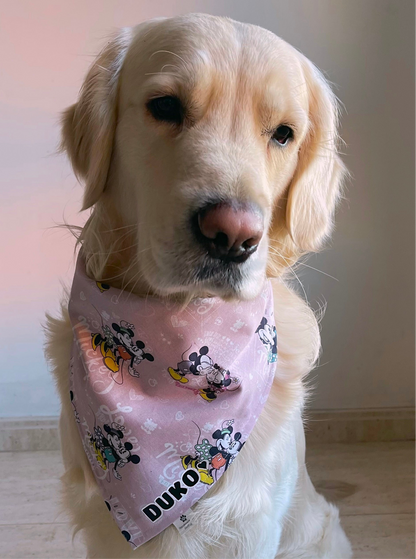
[(142, 178)]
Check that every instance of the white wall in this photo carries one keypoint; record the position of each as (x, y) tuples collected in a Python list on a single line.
[(365, 47)]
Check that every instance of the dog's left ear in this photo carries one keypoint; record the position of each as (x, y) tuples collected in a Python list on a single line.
[(315, 186), (88, 126)]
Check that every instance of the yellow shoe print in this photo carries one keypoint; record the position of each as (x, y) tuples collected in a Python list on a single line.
[(205, 477), (111, 364), (99, 457), (208, 396), (185, 461), (107, 352), (176, 375), (96, 340), (102, 286)]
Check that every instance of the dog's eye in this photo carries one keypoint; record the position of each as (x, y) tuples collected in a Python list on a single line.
[(282, 134), (168, 109)]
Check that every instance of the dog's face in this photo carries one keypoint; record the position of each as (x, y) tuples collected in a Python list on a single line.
[(206, 140)]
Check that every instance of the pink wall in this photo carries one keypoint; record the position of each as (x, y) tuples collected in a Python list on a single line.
[(366, 48), (46, 48)]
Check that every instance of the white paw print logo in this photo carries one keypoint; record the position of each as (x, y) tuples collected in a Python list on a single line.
[(218, 321), (179, 416)]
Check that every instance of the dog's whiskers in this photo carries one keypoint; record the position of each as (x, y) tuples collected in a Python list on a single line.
[(316, 270), (139, 275), (119, 228), (118, 250), (290, 269), (299, 263), (126, 281), (275, 251)]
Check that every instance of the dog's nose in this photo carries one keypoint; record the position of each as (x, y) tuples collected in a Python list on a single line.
[(230, 231)]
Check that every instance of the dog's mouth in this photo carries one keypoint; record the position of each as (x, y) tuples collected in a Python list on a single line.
[(192, 270), (219, 277), (218, 249)]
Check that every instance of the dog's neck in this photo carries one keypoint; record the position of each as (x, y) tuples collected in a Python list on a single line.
[(110, 251)]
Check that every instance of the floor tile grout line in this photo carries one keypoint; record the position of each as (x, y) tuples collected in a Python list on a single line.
[(3, 525), (35, 524), (377, 514)]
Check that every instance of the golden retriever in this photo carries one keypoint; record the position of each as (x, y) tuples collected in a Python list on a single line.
[(174, 115)]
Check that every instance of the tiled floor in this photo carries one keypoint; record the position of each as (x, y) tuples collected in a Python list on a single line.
[(372, 483)]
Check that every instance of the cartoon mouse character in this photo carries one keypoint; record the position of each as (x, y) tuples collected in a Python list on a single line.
[(268, 336), (127, 349), (199, 464), (209, 458), (218, 378), (105, 341), (114, 450), (201, 460), (227, 448), (183, 368), (201, 364)]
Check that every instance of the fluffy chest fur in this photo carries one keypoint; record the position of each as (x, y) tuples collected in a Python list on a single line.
[(252, 511)]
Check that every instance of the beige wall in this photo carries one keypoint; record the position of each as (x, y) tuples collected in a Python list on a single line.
[(366, 48)]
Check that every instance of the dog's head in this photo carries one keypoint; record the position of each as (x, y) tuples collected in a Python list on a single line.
[(208, 151)]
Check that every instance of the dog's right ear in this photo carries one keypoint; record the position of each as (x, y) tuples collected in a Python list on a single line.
[(88, 126)]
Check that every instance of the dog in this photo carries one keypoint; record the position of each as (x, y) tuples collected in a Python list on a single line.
[(208, 150)]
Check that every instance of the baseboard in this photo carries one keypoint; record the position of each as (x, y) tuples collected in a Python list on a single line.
[(360, 426), (29, 433), (321, 426)]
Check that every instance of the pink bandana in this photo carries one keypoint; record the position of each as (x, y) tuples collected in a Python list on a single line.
[(165, 396)]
